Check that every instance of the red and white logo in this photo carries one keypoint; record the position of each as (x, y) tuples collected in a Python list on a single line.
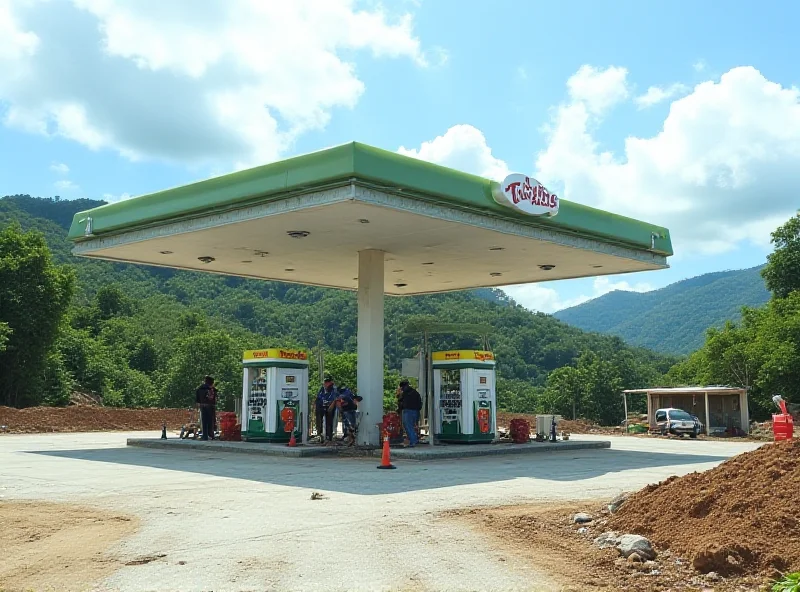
[(527, 195)]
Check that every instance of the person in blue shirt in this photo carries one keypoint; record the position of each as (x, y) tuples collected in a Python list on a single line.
[(325, 407)]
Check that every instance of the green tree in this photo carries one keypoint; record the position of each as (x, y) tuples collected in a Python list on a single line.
[(34, 296), (343, 368), (57, 382), (111, 301), (782, 272), (5, 334), (565, 393), (212, 352)]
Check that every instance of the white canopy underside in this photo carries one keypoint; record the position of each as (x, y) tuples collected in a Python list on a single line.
[(429, 248)]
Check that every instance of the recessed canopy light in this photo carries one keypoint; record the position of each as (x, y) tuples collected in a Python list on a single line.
[(400, 285), (289, 269), (364, 221), (298, 233), (355, 279), (206, 259), (597, 266), (429, 263), (166, 252), (248, 261), (547, 267), (397, 271), (497, 249), (261, 253), (495, 274)]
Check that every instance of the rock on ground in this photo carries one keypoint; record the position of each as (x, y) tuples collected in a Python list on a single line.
[(607, 539), (581, 518), (629, 544), (615, 504)]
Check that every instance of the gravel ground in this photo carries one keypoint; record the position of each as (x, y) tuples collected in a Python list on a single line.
[(237, 523)]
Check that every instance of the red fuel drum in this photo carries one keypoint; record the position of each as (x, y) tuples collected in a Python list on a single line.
[(782, 426)]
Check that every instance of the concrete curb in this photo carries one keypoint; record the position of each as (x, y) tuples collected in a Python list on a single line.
[(236, 447), (440, 452), (471, 450)]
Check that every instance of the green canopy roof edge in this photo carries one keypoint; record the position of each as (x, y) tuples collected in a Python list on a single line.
[(342, 164)]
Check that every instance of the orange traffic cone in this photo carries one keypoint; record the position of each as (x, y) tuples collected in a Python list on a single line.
[(292, 441), (385, 462)]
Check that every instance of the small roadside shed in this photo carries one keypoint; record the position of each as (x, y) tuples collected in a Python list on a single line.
[(720, 408)]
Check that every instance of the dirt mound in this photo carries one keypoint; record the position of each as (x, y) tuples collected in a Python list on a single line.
[(86, 418), (578, 426), (739, 517)]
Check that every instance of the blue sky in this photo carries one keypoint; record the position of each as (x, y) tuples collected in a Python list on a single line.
[(679, 113)]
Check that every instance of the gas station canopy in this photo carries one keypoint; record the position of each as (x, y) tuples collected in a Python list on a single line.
[(357, 217), (303, 220)]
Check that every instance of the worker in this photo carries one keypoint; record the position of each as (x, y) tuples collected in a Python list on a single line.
[(411, 403), (206, 400), (325, 408), (347, 403)]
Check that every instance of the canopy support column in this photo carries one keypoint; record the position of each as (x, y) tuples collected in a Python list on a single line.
[(370, 344)]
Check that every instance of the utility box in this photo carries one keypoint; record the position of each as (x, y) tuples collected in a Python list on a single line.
[(544, 424), (274, 395), (465, 402)]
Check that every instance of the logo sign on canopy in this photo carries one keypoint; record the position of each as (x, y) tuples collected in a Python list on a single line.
[(527, 195)]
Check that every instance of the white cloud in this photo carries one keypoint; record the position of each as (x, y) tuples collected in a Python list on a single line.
[(699, 65), (111, 198), (16, 44), (522, 73), (722, 170), (59, 168), (66, 185), (603, 285), (545, 299), (187, 81), (541, 298), (657, 94), (598, 89), (462, 147)]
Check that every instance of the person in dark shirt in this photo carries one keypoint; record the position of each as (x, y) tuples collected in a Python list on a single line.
[(325, 407), (410, 401), (206, 400), (347, 402)]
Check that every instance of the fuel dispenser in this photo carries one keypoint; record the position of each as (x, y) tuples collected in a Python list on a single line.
[(274, 395), (464, 396)]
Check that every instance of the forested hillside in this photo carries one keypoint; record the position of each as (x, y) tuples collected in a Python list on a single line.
[(139, 335), (673, 319)]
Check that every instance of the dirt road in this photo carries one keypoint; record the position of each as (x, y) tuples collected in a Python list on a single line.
[(214, 522), (47, 546)]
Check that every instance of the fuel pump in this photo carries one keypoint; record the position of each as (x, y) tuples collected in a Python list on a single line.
[(464, 396), (274, 395)]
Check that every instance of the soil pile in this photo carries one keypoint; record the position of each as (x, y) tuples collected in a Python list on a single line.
[(86, 418), (739, 517), (579, 426)]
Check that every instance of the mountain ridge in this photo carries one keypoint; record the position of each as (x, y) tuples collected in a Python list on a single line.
[(673, 319)]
